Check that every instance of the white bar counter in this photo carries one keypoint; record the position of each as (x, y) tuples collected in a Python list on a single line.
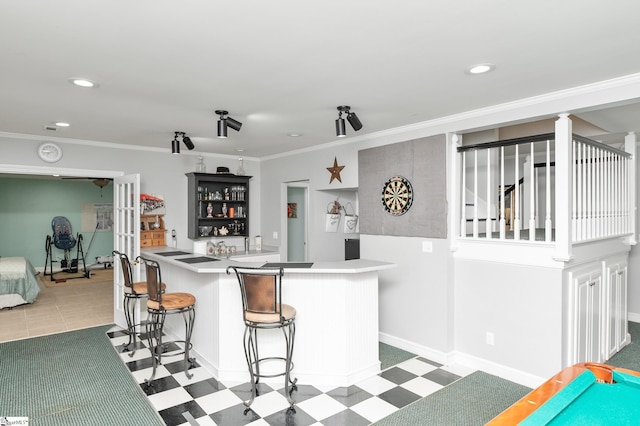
[(336, 322)]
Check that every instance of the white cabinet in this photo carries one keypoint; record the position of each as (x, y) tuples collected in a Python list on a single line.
[(615, 306), (598, 326), (587, 322)]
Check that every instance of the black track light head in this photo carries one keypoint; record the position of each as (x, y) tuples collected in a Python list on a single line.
[(351, 117), (187, 142), (354, 121), (234, 124), (175, 144), (340, 128)]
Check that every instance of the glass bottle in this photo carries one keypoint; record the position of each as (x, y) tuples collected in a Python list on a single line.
[(200, 166), (240, 171)]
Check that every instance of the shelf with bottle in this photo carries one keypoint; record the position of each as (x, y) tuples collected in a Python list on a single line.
[(216, 198), (221, 210)]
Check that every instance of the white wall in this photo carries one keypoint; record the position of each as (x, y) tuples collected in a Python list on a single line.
[(160, 173)]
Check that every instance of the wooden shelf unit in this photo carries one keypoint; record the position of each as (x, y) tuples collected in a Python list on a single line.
[(150, 235)]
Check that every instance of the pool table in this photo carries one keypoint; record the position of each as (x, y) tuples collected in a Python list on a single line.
[(584, 394)]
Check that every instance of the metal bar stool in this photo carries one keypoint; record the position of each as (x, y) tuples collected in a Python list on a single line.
[(159, 305), (133, 291), (262, 309)]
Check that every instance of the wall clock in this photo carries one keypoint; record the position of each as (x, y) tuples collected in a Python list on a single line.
[(50, 152), (397, 195)]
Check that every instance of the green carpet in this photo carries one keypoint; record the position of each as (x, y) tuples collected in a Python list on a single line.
[(390, 356), (67, 379), (629, 356), (472, 400)]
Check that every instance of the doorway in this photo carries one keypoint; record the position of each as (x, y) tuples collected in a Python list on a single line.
[(297, 219)]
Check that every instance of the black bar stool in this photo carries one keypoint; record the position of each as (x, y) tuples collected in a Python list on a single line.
[(159, 305), (133, 291), (262, 308)]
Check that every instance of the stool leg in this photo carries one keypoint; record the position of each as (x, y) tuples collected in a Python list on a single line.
[(189, 318), (155, 326), (289, 333), (252, 360), (130, 322)]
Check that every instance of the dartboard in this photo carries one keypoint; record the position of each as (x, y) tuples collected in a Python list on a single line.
[(397, 195)]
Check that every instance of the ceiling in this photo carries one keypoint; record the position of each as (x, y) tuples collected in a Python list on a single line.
[(282, 67)]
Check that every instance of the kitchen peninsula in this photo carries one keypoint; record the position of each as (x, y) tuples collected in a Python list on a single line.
[(336, 323)]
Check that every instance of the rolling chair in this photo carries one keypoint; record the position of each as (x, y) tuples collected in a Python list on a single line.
[(159, 305), (133, 292), (262, 309)]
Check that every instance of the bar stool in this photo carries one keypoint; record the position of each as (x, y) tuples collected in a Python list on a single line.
[(159, 305), (133, 291), (262, 309)]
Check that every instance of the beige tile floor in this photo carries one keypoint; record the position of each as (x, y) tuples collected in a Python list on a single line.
[(59, 309)]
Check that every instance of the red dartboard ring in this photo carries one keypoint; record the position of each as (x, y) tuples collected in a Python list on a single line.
[(397, 195)]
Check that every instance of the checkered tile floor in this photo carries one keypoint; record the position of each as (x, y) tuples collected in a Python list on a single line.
[(203, 400)]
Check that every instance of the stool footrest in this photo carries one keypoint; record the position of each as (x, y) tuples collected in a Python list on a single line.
[(271, 358)]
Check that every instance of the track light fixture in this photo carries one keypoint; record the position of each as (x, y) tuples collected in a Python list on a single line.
[(351, 117), (225, 122), (175, 143)]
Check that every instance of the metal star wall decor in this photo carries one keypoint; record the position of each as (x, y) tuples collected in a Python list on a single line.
[(335, 170)]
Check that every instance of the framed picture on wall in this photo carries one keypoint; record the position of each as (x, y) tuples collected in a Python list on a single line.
[(292, 210)]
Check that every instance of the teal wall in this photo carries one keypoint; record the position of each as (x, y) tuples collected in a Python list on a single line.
[(27, 206)]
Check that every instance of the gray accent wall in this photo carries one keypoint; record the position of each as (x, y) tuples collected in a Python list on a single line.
[(423, 163)]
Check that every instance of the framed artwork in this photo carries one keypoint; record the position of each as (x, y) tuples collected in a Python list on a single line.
[(292, 210)]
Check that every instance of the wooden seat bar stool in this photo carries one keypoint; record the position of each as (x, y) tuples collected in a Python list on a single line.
[(159, 305), (133, 292), (262, 309)]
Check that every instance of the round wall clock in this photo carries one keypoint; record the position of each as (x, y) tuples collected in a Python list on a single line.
[(397, 195), (50, 152)]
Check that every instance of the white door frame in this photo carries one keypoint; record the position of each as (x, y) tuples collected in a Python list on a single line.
[(284, 223), (50, 171)]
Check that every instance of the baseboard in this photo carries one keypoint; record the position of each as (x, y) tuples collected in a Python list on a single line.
[(508, 373), (423, 351), (633, 317), (467, 361)]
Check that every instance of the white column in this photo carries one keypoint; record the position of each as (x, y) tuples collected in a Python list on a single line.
[(564, 191), (630, 145)]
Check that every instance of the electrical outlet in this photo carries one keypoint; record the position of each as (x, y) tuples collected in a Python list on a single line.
[(275, 235), (490, 339)]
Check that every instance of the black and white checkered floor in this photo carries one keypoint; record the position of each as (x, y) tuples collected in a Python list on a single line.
[(203, 400)]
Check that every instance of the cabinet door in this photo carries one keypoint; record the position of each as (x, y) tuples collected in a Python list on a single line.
[(612, 296), (588, 344), (623, 324)]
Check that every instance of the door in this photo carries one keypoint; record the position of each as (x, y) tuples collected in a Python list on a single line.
[(126, 236), (297, 196)]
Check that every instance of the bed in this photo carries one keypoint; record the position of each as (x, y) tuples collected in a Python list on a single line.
[(18, 282)]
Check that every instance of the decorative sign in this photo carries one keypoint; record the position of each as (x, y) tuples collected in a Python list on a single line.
[(335, 170), (397, 195)]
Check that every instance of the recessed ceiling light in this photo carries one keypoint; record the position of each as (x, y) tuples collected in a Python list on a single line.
[(82, 82), (62, 124), (294, 135), (239, 150), (480, 68)]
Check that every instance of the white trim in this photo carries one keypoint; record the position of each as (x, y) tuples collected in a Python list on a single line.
[(48, 170), (633, 316), (423, 351), (499, 370)]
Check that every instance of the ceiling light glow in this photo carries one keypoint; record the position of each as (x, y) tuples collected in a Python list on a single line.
[(480, 68), (62, 124), (82, 82)]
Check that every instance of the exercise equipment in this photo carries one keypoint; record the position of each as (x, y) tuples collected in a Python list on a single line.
[(63, 239)]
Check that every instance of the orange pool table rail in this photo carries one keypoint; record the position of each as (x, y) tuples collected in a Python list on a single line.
[(534, 399)]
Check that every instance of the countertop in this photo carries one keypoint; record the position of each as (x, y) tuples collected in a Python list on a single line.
[(220, 264)]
